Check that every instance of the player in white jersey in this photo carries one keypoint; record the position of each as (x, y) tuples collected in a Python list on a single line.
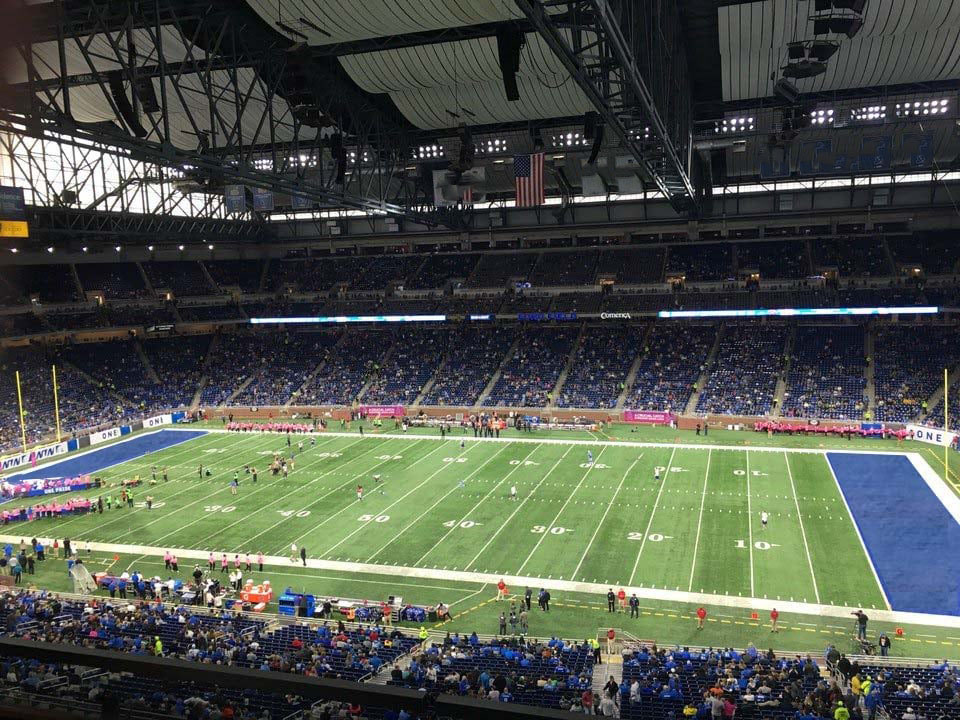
[(359, 492), (589, 457), (513, 492), (764, 517), (656, 474)]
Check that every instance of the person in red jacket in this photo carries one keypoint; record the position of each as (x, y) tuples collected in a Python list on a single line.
[(622, 597), (701, 616), (774, 616), (611, 636), (501, 590)]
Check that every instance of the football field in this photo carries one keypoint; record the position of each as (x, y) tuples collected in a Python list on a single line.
[(443, 507), (849, 525)]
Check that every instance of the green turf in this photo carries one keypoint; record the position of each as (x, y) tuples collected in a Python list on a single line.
[(449, 508)]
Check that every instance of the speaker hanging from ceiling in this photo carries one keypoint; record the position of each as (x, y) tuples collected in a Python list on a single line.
[(509, 43), (115, 80)]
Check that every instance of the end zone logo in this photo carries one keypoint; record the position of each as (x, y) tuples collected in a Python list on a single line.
[(616, 316), (33, 457)]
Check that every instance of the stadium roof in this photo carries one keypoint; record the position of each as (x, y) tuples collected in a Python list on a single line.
[(388, 78)]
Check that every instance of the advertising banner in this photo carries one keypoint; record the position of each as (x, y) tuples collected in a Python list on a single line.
[(158, 420), (383, 411), (648, 417), (932, 435), (32, 457), (104, 435)]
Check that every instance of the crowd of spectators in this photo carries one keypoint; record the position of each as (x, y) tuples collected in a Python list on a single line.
[(827, 373), (673, 359), (775, 259), (494, 269), (909, 367), (48, 283), (473, 355), (116, 280), (701, 262), (178, 363), (852, 257), (743, 377), (934, 252), (244, 274), (201, 313), (182, 277), (600, 365), (437, 270), (569, 267), (235, 357), (415, 357), (284, 361), (347, 368), (550, 674), (117, 368), (531, 372), (81, 404), (634, 266)]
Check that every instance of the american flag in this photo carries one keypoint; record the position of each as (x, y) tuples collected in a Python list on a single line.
[(528, 173)]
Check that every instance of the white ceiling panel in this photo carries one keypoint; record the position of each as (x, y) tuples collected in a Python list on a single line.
[(902, 41), (452, 63), (483, 103), (346, 20)]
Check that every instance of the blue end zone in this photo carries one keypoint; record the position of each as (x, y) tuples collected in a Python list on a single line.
[(121, 452), (911, 537)]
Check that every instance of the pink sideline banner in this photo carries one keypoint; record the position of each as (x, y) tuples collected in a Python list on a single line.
[(383, 410), (650, 417)]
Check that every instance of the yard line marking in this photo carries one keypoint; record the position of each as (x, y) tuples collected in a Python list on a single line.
[(167, 516), (334, 470), (856, 527), (517, 509), (474, 508), (604, 517), (803, 532), (464, 599), (562, 508), (126, 515), (429, 509), (750, 524), (643, 542), (348, 505), (443, 466), (703, 499)]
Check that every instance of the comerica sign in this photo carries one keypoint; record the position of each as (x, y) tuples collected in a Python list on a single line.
[(616, 316)]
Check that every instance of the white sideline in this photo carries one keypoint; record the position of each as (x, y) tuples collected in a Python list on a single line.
[(832, 611), (572, 441)]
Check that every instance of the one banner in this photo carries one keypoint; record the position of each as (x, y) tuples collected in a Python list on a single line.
[(932, 435), (235, 198), (32, 457), (262, 200), (104, 435), (649, 417), (158, 420), (383, 410), (528, 175)]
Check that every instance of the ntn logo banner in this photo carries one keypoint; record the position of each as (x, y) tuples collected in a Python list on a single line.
[(32, 457)]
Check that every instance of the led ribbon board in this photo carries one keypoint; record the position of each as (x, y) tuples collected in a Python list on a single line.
[(337, 319), (797, 312)]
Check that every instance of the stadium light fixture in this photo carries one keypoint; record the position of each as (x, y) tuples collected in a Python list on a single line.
[(50, 249), (569, 140), (637, 132), (150, 248), (869, 113), (492, 146), (734, 125), (919, 108), (180, 248), (84, 248), (822, 117), (428, 152), (14, 250), (118, 248), (210, 247)]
